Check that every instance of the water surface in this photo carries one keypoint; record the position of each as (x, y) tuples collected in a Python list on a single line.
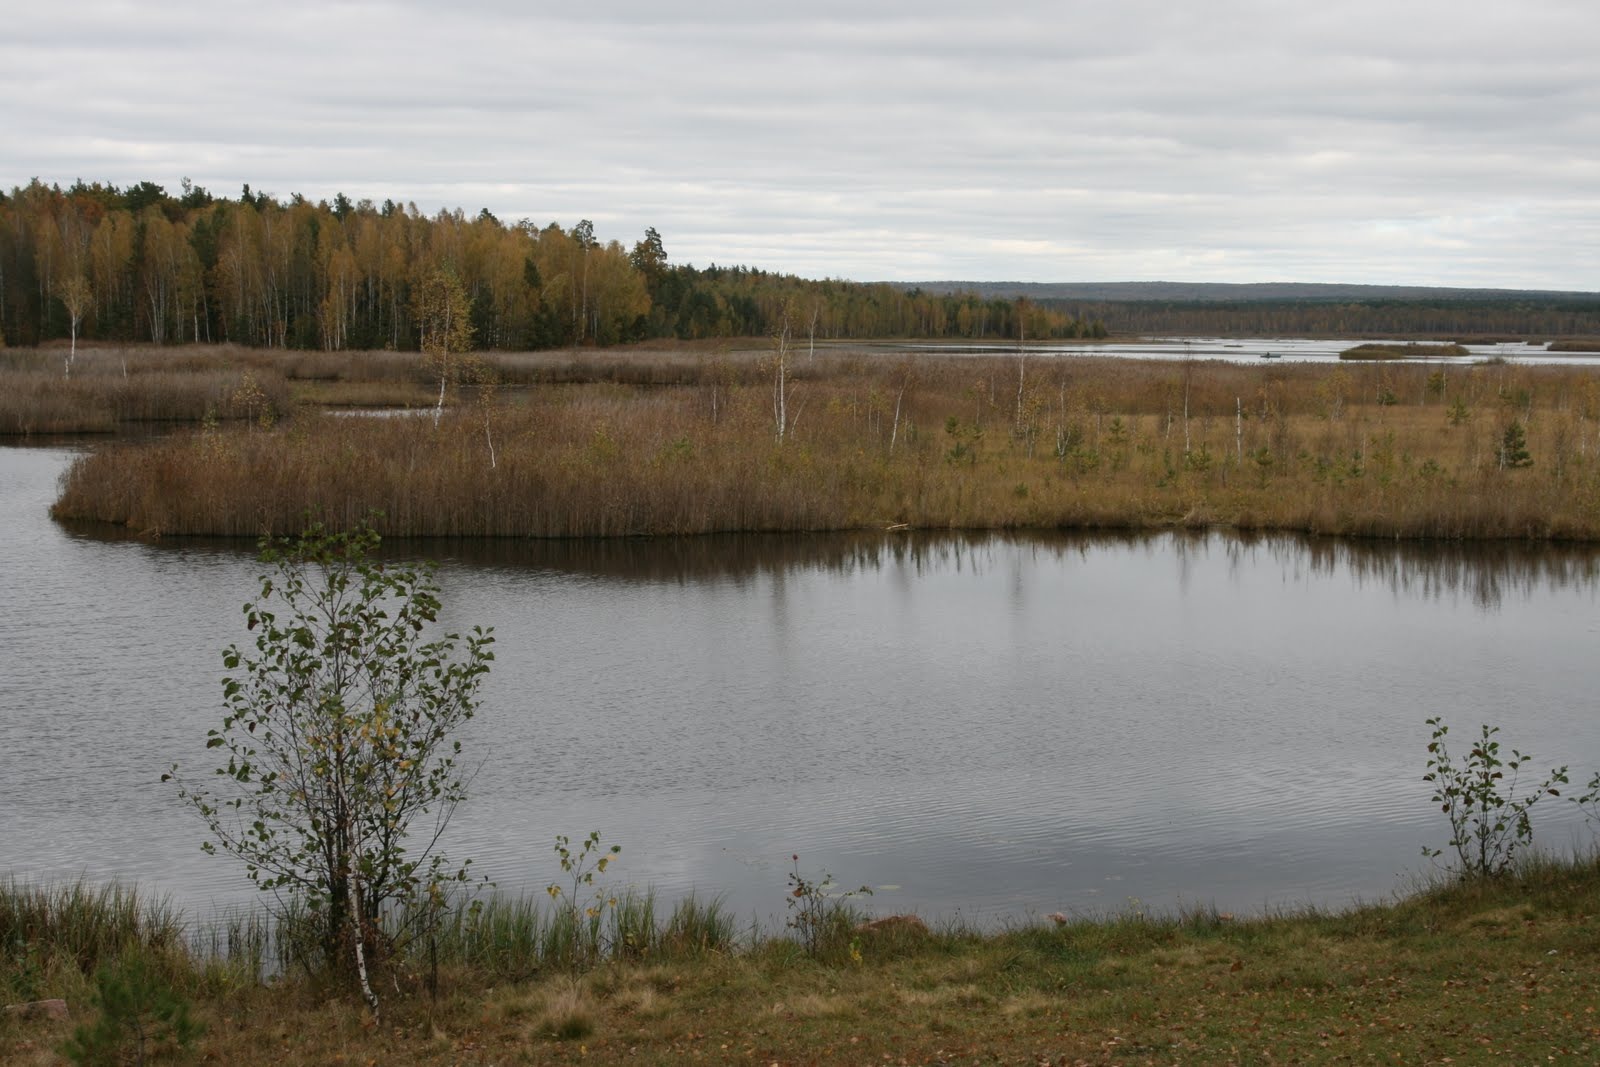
[(1257, 349), (987, 726)]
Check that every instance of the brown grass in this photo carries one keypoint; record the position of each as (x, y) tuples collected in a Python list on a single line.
[(111, 386), (1411, 350), (1371, 449)]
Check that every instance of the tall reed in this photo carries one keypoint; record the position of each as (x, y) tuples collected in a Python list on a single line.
[(938, 442), (85, 923), (514, 937)]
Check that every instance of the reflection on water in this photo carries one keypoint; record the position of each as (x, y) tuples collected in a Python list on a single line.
[(1482, 572), (993, 724)]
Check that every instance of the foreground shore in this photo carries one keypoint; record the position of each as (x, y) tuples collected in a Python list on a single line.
[(628, 443), (1505, 971)]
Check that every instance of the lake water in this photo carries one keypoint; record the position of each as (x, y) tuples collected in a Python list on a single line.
[(992, 727), (1255, 350)]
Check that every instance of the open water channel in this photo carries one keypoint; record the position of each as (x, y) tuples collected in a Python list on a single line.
[(1250, 350), (985, 726)]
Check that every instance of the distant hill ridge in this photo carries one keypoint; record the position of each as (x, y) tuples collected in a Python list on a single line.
[(1226, 292)]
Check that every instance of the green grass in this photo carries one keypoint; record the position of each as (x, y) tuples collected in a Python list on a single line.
[(1504, 970), (517, 937), (83, 923)]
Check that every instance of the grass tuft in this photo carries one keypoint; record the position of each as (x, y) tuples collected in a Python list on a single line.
[(569, 1016)]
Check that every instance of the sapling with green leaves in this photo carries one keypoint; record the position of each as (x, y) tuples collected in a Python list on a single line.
[(817, 907), (585, 905), (1588, 801), (1490, 819), (339, 732)]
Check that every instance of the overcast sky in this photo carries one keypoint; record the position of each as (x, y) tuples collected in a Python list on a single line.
[(1437, 142)]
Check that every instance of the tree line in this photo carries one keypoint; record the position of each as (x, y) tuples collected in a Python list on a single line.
[(140, 264), (1514, 317)]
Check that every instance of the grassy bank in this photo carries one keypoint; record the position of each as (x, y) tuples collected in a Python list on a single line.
[(1503, 970), (678, 442)]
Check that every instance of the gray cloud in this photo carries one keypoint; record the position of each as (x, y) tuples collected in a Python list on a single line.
[(1233, 141)]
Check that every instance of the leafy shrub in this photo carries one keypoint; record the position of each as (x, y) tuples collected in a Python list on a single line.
[(1489, 817), (818, 912)]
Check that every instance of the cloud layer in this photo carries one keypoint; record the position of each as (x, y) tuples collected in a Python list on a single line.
[(1419, 143)]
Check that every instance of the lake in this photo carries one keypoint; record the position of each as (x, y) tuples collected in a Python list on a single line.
[(1251, 350), (990, 727)]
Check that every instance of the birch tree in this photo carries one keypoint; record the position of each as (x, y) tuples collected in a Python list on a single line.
[(75, 297), (905, 376), (338, 733), (780, 378), (444, 315)]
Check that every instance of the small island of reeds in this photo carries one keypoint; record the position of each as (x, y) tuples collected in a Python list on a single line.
[(1410, 350), (688, 439)]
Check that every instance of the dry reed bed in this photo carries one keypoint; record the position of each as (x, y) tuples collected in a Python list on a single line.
[(107, 387), (110, 385), (1380, 450)]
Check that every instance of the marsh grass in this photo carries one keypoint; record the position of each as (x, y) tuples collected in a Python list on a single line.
[(1409, 350), (111, 387), (1373, 449), (515, 937), (84, 924), (55, 937)]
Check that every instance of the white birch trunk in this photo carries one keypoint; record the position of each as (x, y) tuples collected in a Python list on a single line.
[(361, 950), (1238, 429), (894, 431), (444, 376), (780, 390)]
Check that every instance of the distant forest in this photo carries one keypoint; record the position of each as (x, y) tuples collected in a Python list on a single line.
[(1444, 319), (142, 264)]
